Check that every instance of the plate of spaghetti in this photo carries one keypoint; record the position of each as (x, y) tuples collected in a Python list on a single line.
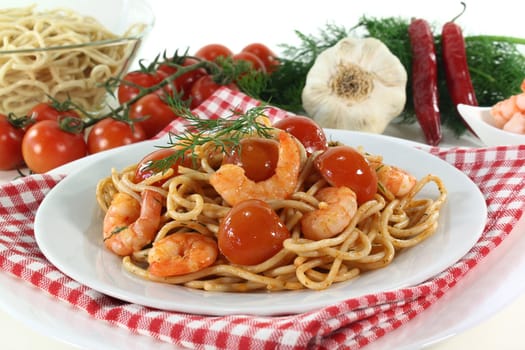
[(242, 216)]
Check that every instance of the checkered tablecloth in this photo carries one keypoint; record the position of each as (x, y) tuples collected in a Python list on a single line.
[(498, 171)]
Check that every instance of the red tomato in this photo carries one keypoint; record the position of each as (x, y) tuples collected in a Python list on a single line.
[(306, 130), (110, 133), (10, 144), (203, 88), (145, 170), (155, 113), (47, 111), (211, 51), (251, 233), (182, 83), (344, 166), (268, 58), (136, 80), (257, 156), (46, 146), (255, 62)]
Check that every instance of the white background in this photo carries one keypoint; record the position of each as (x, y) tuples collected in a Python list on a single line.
[(191, 24)]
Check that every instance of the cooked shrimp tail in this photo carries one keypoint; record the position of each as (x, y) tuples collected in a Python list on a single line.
[(130, 225), (337, 207), (181, 253), (509, 114), (394, 180), (234, 186)]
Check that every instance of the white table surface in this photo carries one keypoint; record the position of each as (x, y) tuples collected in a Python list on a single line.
[(183, 25)]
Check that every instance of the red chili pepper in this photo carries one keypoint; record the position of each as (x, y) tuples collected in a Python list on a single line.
[(424, 80), (457, 74)]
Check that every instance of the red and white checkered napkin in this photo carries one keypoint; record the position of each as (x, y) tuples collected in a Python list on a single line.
[(498, 171)]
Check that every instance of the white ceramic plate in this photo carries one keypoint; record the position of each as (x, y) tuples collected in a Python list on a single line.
[(482, 123), (68, 231)]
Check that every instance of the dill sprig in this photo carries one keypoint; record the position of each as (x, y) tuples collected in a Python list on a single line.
[(223, 134)]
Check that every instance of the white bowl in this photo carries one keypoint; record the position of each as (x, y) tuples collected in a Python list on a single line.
[(480, 121), (45, 57)]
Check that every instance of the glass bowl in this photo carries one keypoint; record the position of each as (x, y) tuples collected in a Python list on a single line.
[(481, 122), (67, 50)]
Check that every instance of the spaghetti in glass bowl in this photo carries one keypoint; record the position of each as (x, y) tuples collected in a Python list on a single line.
[(57, 49)]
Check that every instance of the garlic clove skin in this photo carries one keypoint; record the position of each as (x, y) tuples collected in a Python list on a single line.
[(357, 84)]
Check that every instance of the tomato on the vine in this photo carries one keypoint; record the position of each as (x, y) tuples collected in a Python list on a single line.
[(203, 88), (255, 62), (49, 111), (345, 166), (306, 130), (46, 146), (251, 233), (132, 82), (210, 52), (257, 156), (109, 133), (268, 58), (145, 169), (10, 144), (152, 114), (182, 83)]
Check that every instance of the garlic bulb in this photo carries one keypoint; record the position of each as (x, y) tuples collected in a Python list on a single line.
[(357, 84)]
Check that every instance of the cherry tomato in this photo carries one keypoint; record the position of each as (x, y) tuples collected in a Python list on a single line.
[(210, 52), (255, 62), (46, 146), (306, 130), (155, 113), (182, 83), (251, 233), (144, 169), (142, 79), (10, 144), (344, 166), (257, 156), (268, 58), (48, 111), (203, 88), (110, 133)]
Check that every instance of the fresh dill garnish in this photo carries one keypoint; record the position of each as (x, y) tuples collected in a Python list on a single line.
[(224, 134)]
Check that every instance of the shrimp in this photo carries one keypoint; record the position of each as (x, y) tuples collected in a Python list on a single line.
[(130, 225), (181, 253), (395, 180), (510, 113), (337, 207), (232, 184)]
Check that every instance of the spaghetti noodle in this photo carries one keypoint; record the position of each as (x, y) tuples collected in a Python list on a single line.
[(376, 232), (58, 53)]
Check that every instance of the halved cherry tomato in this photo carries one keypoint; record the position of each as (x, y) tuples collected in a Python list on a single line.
[(345, 166), (203, 88), (48, 111), (182, 83), (145, 170), (10, 144), (109, 133), (306, 130), (257, 156), (153, 113), (46, 146), (268, 58), (255, 62), (210, 52), (132, 82), (251, 233)]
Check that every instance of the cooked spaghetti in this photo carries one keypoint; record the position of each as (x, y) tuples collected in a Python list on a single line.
[(58, 53), (194, 203)]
